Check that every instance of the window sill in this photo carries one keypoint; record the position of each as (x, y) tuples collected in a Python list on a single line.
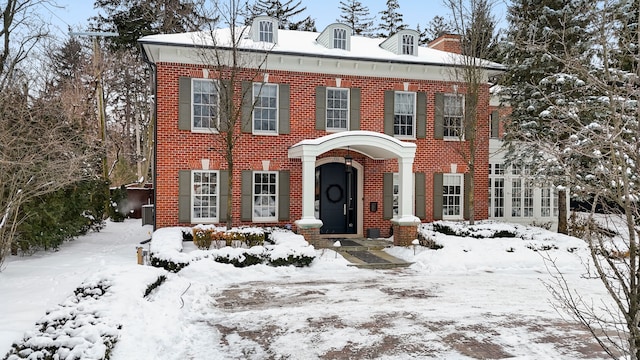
[(264, 133), (204, 131)]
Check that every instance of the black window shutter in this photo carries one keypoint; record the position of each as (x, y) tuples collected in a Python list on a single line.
[(495, 124), (223, 196), (420, 195), (184, 103), (247, 196), (389, 100), (283, 195), (184, 196), (247, 106), (437, 196), (284, 112), (421, 115), (439, 116), (354, 109), (321, 108)]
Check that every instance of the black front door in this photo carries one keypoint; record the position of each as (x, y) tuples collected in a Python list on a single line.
[(337, 199)]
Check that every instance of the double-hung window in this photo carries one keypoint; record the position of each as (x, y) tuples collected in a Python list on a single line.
[(204, 196), (340, 39), (404, 114), (265, 195), (205, 102), (265, 109), (453, 116), (337, 109), (266, 31), (408, 44), (452, 196)]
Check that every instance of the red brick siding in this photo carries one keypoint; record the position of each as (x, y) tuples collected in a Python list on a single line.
[(181, 150)]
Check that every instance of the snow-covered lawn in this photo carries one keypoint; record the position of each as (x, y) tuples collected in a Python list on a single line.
[(474, 298)]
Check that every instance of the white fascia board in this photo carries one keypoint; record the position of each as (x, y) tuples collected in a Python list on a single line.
[(166, 53)]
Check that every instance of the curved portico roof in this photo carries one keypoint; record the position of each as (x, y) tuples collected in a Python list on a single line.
[(373, 144)]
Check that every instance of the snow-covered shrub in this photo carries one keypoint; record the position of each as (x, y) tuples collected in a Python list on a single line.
[(74, 330), (161, 279), (249, 249)]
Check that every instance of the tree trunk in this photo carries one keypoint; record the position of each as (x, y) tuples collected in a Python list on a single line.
[(563, 227)]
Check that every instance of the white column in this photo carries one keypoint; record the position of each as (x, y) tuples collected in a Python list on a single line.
[(405, 196), (308, 193)]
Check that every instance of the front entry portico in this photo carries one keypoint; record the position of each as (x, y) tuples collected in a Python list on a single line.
[(375, 145)]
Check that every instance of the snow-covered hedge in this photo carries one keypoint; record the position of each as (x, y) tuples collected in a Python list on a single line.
[(287, 249), (74, 330)]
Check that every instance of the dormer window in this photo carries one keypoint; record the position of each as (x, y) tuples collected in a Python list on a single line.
[(266, 31), (340, 38), (336, 36), (408, 44)]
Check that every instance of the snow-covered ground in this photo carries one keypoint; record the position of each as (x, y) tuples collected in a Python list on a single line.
[(474, 298)]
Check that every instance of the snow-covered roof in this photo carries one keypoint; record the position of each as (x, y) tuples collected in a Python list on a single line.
[(304, 43)]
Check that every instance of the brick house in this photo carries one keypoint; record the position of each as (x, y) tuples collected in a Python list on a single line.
[(348, 135)]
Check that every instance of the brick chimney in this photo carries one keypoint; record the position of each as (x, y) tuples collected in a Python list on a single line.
[(447, 42)]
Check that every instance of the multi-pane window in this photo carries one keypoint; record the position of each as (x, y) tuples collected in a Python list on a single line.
[(496, 190), (265, 192), (453, 115), (266, 31), (337, 108), (452, 196), (396, 194), (545, 201), (408, 44), (265, 110), (497, 198), (528, 198), (404, 114), (516, 197), (204, 195), (340, 39), (205, 102)]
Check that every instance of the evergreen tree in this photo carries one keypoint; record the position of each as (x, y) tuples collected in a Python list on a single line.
[(391, 19), (356, 15), (482, 29), (133, 19), (283, 12), (437, 27), (540, 32)]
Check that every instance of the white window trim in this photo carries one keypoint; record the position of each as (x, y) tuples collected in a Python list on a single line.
[(260, 219), (253, 123), (260, 31), (403, 44), (415, 111), (334, 129), (202, 129), (461, 215), (396, 197), (462, 128), (342, 40), (195, 219)]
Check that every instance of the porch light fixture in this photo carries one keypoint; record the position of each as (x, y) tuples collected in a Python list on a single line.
[(348, 161)]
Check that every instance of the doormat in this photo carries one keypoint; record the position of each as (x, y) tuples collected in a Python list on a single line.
[(367, 257), (347, 242)]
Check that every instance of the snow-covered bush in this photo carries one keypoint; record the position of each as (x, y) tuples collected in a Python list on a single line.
[(285, 248)]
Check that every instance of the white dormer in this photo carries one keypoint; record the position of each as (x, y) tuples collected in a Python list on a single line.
[(265, 29), (404, 42), (336, 36)]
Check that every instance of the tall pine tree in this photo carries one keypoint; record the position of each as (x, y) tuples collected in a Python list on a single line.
[(391, 19), (284, 12), (540, 34), (356, 15)]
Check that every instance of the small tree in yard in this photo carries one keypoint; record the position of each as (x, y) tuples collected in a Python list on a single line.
[(581, 123), (230, 66), (469, 21)]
